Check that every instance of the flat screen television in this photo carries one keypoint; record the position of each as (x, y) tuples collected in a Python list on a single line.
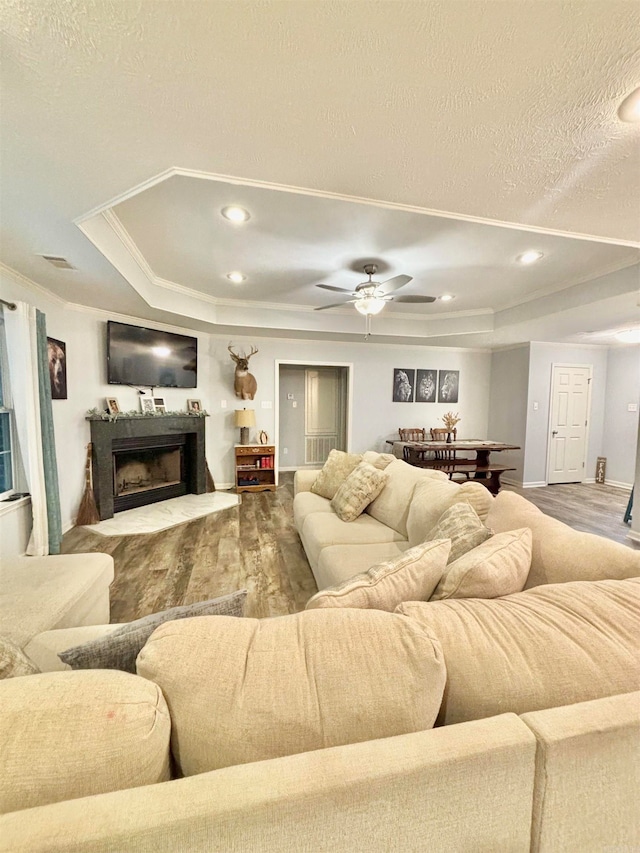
[(150, 358)]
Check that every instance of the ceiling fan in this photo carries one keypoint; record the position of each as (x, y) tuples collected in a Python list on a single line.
[(370, 297)]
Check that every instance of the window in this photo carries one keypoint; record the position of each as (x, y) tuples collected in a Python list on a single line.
[(6, 453)]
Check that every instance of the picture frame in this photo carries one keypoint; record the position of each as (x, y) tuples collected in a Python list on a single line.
[(113, 406), (426, 386), (403, 385), (448, 386), (194, 407), (57, 359), (159, 405), (147, 405)]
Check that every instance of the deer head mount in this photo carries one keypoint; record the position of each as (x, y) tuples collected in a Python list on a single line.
[(244, 384)]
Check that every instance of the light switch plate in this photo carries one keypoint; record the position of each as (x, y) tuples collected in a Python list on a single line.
[(223, 404), (295, 404), (632, 407), (266, 404)]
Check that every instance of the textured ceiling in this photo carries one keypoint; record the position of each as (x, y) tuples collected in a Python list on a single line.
[(501, 111)]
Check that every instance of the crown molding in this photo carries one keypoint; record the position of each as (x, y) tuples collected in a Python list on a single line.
[(23, 281)]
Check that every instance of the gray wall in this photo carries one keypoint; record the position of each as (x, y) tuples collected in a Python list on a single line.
[(291, 438), (620, 429), (508, 406)]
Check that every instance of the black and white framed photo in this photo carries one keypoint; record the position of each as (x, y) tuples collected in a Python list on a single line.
[(426, 386), (147, 405), (57, 357), (403, 385), (159, 405), (448, 382)]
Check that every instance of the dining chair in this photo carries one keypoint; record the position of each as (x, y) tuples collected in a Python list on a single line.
[(448, 454), (415, 434)]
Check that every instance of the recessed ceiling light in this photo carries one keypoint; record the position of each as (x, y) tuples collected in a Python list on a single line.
[(235, 214), (529, 257), (447, 297), (236, 277), (629, 109), (629, 336)]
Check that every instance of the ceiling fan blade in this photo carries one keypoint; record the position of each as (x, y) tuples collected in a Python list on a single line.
[(334, 305), (415, 298), (331, 287), (394, 283)]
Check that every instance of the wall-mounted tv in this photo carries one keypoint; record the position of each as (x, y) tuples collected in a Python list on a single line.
[(150, 358)]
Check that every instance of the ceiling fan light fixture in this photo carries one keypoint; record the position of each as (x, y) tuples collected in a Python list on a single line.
[(235, 213), (629, 336), (236, 277), (369, 305), (530, 257)]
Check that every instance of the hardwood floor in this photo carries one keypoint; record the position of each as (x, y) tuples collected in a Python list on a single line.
[(255, 546)]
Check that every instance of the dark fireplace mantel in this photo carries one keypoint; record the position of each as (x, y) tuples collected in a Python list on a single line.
[(107, 436)]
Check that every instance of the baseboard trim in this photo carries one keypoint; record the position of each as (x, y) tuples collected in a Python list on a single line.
[(618, 485), (634, 536), (534, 484)]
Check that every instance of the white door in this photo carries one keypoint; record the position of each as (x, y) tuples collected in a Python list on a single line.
[(324, 413), (570, 406)]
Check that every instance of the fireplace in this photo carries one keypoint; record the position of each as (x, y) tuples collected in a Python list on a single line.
[(146, 470), (138, 461)]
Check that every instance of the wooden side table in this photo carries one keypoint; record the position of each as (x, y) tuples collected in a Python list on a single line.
[(255, 467)]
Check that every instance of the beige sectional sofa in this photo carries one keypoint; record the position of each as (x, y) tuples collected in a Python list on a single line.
[(536, 746)]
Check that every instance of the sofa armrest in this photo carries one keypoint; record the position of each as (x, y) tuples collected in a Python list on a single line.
[(303, 479), (465, 787), (43, 648)]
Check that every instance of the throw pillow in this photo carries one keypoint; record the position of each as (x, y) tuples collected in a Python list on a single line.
[(334, 472), (363, 485), (412, 576), (13, 661), (74, 734), (120, 649), (432, 497), (553, 645), (461, 524), (243, 690), (378, 460), (497, 567)]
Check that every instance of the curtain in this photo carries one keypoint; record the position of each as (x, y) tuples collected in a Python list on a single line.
[(31, 401)]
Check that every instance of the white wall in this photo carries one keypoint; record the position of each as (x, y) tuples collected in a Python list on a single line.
[(508, 406), (620, 428)]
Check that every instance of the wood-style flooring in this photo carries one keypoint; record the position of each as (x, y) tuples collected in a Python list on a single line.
[(256, 546)]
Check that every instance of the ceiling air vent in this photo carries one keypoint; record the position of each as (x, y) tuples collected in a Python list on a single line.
[(59, 263)]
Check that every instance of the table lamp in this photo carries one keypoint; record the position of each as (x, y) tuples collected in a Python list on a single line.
[(245, 418)]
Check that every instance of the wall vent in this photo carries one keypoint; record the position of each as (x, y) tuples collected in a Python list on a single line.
[(57, 262)]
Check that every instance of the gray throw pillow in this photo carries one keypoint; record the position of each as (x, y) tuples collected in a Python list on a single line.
[(120, 649), (461, 524)]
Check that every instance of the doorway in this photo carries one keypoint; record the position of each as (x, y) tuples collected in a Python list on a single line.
[(569, 422), (313, 412)]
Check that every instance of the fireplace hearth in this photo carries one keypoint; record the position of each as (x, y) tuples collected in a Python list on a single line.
[(138, 461)]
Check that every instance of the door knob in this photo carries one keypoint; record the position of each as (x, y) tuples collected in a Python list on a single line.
[(554, 432)]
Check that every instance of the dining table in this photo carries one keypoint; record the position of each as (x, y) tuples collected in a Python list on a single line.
[(483, 448)]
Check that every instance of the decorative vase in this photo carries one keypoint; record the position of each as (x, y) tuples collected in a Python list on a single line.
[(448, 438)]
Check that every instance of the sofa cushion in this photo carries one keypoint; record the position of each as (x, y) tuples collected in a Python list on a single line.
[(560, 553), (497, 567), (119, 650), (461, 524), (391, 507), (72, 734), (431, 497), (378, 460), (334, 472), (321, 529), (242, 690), (304, 503), (338, 563), (549, 646), (41, 593), (14, 662), (412, 576), (362, 485)]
